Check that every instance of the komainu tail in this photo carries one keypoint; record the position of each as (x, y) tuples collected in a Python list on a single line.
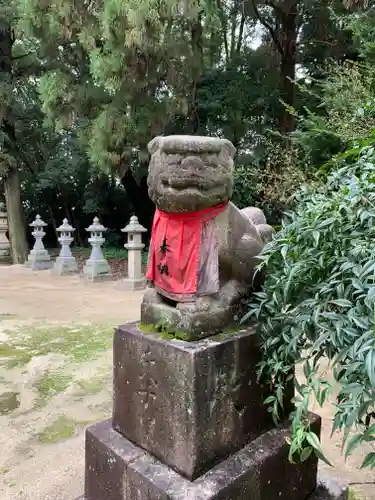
[(258, 218)]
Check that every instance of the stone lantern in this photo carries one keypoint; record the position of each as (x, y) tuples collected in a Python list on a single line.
[(96, 267), (136, 279), (5, 257), (39, 258), (65, 262)]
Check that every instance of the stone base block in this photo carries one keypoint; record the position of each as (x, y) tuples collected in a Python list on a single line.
[(116, 469), (65, 266), (134, 284), (97, 270), (190, 404), (39, 260), (39, 265), (327, 489), (98, 278)]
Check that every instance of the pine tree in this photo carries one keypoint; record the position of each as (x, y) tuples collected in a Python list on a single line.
[(122, 71), (125, 71)]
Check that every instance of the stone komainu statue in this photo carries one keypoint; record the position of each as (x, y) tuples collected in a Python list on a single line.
[(203, 249)]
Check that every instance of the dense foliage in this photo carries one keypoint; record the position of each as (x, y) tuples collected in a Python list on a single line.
[(318, 303), (109, 76), (341, 111)]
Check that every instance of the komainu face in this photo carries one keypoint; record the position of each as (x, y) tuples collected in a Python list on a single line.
[(190, 173)]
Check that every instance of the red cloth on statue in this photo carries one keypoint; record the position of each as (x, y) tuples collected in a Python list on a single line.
[(175, 249)]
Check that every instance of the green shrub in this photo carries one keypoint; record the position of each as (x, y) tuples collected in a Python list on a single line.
[(318, 302), (245, 185), (269, 180), (341, 111)]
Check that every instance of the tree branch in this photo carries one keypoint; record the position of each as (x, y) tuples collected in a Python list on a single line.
[(268, 26), (240, 35), (271, 3), (223, 29)]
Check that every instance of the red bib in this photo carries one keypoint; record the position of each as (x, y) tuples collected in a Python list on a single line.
[(175, 249)]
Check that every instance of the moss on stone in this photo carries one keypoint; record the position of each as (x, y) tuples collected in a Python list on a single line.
[(230, 330), (165, 332), (168, 333), (62, 428), (147, 328), (174, 335)]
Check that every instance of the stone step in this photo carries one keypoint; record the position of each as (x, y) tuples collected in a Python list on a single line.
[(328, 489), (116, 469)]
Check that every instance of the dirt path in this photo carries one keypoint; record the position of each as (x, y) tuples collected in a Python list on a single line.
[(55, 379)]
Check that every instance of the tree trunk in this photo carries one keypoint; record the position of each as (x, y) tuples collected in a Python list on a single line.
[(197, 75), (12, 183), (287, 19), (138, 196), (284, 33), (17, 233)]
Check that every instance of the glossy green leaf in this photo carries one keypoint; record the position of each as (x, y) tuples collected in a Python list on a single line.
[(369, 461), (353, 443)]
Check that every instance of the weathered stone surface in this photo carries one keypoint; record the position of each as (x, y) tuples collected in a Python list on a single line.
[(259, 471), (180, 163), (189, 174), (194, 324), (189, 404), (134, 285), (324, 491), (107, 457)]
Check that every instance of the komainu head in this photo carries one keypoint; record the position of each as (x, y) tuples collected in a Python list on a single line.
[(190, 173)]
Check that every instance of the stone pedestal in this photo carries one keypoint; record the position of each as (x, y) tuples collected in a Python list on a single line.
[(189, 424), (117, 469), (96, 267), (39, 257), (5, 256), (65, 263), (189, 404)]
